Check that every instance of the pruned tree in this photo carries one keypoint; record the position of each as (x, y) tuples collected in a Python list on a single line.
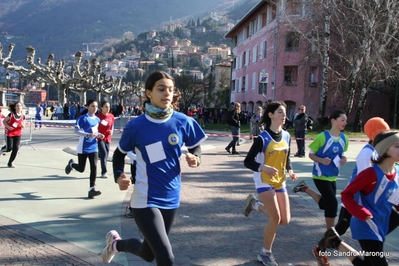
[(86, 75), (123, 89)]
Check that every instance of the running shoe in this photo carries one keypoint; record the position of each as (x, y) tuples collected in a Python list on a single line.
[(108, 253), (301, 187), (267, 259), (93, 193), (69, 168), (322, 260), (251, 199), (331, 239), (129, 212)]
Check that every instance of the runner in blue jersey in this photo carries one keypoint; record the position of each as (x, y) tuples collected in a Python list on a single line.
[(328, 153), (370, 198), (156, 138), (87, 129)]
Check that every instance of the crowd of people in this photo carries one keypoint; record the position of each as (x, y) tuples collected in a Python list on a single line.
[(369, 202)]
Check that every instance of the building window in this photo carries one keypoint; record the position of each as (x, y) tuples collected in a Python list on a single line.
[(243, 84), (247, 58), (254, 53), (253, 27), (264, 19), (240, 37), (313, 76), (254, 80), (262, 88), (292, 41), (263, 48), (290, 75)]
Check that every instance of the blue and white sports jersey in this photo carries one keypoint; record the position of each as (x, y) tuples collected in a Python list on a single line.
[(157, 145), (88, 124), (377, 203)]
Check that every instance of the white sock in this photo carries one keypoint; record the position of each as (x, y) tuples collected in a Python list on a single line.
[(91, 188), (266, 251), (255, 206)]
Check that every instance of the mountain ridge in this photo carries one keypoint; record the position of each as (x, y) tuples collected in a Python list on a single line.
[(62, 26)]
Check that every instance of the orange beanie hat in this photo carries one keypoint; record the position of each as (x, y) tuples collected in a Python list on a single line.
[(374, 126)]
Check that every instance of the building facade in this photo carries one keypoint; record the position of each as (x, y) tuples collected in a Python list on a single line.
[(271, 61)]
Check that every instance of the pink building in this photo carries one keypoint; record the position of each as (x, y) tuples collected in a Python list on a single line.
[(271, 62)]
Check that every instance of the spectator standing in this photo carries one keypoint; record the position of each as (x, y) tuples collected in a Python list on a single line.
[(87, 129), (256, 123), (13, 123), (52, 112), (234, 124), (39, 116), (66, 111), (72, 111), (59, 111), (300, 123), (106, 128)]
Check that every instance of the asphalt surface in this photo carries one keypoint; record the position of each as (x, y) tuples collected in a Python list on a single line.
[(47, 219)]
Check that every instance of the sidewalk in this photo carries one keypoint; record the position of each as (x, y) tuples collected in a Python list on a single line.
[(46, 218)]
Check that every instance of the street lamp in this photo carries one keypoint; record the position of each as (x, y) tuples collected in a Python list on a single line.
[(8, 76), (396, 93)]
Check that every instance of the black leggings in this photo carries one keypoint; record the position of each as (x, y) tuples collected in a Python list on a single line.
[(103, 152), (373, 259), (81, 165), (13, 146), (154, 224), (328, 201)]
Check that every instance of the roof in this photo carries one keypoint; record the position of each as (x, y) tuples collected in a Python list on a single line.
[(229, 34)]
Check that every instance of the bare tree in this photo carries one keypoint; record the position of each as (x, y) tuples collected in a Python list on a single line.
[(191, 92), (122, 89), (355, 48)]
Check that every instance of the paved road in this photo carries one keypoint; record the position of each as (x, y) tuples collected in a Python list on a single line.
[(47, 219)]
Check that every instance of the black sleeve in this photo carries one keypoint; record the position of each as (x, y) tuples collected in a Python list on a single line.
[(288, 165), (196, 151), (249, 160), (118, 163)]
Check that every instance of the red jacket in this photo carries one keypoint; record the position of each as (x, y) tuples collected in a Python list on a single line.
[(106, 126)]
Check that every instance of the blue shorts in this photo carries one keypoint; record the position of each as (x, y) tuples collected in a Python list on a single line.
[(264, 189)]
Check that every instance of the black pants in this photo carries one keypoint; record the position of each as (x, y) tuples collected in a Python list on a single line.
[(373, 246), (103, 151), (235, 131), (154, 225), (13, 146), (300, 142), (328, 201), (81, 165)]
